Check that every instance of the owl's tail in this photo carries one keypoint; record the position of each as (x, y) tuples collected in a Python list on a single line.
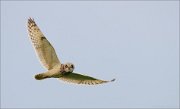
[(41, 76)]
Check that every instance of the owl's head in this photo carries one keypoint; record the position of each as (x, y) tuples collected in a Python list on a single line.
[(68, 67)]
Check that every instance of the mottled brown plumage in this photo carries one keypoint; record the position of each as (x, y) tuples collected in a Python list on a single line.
[(50, 61)]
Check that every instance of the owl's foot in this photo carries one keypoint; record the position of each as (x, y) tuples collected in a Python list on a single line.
[(40, 76)]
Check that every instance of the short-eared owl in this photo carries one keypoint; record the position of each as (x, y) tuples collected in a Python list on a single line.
[(50, 61)]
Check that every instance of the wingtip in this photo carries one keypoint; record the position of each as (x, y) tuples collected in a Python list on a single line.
[(113, 80), (31, 22), (30, 19)]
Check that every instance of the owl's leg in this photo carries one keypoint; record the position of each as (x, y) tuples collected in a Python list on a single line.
[(53, 73)]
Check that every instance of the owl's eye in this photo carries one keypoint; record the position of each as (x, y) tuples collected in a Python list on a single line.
[(72, 66), (66, 66)]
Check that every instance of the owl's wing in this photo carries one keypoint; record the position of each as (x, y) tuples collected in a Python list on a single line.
[(42, 46), (82, 79)]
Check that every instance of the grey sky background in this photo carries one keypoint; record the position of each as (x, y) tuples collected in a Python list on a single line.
[(136, 42)]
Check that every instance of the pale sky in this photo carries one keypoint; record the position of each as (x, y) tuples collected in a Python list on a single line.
[(136, 42)]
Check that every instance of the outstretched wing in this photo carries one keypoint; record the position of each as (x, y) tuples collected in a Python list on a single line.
[(82, 79), (43, 48)]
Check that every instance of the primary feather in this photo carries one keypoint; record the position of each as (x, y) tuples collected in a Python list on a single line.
[(82, 79)]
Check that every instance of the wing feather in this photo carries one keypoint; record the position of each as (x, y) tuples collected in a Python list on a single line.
[(43, 48), (82, 79)]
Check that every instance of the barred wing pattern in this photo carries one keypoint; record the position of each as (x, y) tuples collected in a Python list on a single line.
[(50, 61), (82, 79), (42, 46)]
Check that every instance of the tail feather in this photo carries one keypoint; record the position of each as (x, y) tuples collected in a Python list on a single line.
[(40, 76)]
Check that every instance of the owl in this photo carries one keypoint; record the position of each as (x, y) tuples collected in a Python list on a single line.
[(49, 59)]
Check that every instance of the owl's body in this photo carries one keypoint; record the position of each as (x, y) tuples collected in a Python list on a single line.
[(50, 61)]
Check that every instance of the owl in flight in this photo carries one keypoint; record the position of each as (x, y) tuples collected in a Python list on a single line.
[(50, 61)]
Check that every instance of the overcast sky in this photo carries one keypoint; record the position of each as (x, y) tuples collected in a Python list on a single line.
[(136, 42)]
